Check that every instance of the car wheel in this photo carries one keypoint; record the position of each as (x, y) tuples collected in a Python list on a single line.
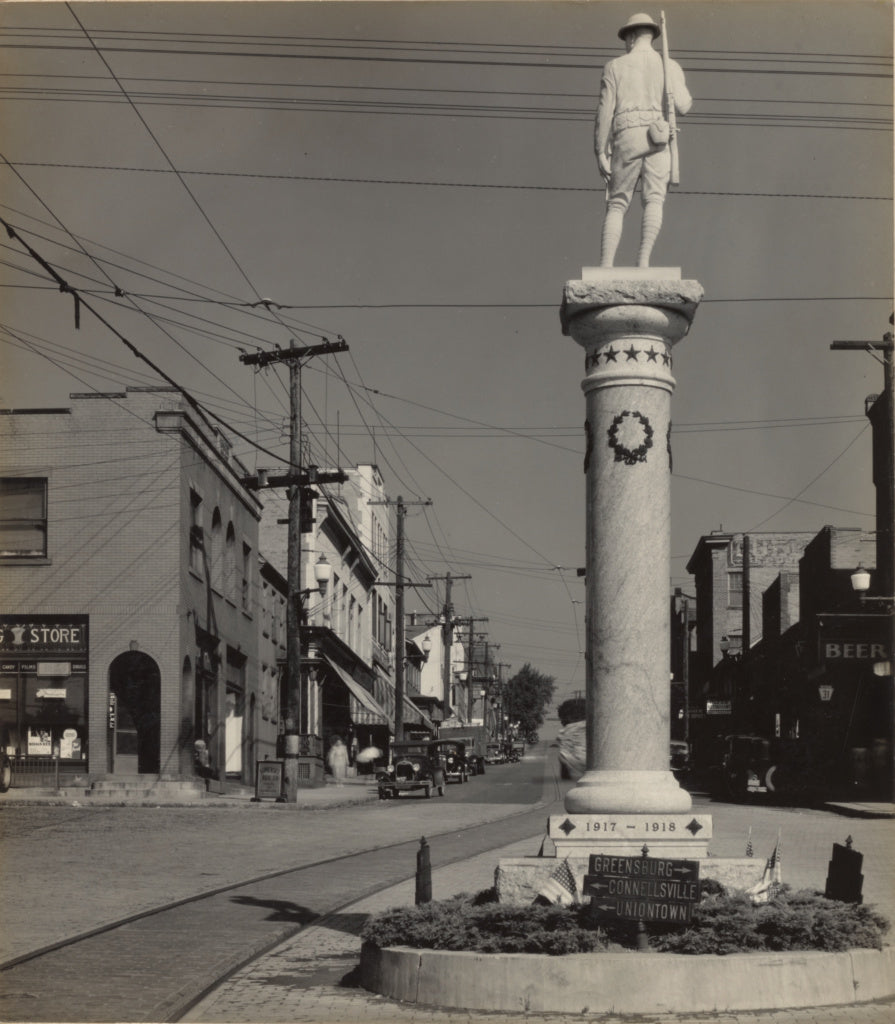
[(5, 775)]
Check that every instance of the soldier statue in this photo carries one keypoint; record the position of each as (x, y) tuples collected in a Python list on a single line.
[(641, 94)]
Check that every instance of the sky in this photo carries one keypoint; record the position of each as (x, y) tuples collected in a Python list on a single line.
[(418, 179)]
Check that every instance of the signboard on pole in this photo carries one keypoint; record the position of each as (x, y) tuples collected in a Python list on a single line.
[(642, 888)]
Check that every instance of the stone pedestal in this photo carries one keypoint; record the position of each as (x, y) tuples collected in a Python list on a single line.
[(628, 321)]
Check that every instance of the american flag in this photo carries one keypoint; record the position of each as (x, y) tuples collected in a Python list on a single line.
[(772, 878), (560, 887), (749, 850)]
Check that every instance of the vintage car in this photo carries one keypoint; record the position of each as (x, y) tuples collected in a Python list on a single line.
[(412, 769), (5, 772), (495, 754), (451, 754), (679, 760)]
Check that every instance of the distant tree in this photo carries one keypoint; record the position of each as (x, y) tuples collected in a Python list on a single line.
[(572, 710), (528, 693)]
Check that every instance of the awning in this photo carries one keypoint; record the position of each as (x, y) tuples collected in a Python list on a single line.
[(416, 715), (365, 699)]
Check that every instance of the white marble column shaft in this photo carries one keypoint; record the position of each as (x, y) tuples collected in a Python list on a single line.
[(628, 329)]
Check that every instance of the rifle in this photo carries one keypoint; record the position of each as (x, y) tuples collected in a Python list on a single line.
[(670, 111)]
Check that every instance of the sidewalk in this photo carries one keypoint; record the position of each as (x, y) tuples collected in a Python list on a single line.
[(354, 791), (308, 979)]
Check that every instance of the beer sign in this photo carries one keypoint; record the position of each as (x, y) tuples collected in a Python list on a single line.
[(642, 888)]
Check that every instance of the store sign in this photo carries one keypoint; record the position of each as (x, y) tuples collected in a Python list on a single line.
[(54, 668), (42, 635), (718, 707), (854, 650), (52, 693)]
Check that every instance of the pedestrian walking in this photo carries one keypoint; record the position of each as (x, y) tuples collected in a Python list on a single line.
[(337, 759)]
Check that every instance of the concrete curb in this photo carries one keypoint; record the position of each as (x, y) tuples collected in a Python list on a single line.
[(628, 982)]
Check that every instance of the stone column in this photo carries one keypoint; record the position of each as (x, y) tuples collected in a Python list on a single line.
[(628, 321)]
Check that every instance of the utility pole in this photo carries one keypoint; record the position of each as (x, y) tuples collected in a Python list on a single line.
[(470, 675), (447, 631), (885, 511), (294, 481), (497, 722), (399, 585)]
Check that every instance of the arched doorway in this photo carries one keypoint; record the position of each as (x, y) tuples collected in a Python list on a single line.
[(135, 681)]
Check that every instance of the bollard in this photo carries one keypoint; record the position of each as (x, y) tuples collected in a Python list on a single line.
[(423, 874)]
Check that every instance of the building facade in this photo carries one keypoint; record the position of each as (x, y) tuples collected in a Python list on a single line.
[(130, 565)]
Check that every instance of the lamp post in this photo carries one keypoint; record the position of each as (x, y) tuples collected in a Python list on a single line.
[(860, 581)]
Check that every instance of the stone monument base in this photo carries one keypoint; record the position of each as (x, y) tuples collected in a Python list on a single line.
[(610, 791), (625, 835)]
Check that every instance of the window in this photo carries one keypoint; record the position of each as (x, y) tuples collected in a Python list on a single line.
[(246, 577), (197, 536), (23, 517), (216, 554), (735, 590)]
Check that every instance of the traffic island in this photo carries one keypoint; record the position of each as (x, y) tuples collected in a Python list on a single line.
[(627, 982)]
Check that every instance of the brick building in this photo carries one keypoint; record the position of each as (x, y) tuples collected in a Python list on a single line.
[(129, 551), (347, 686)]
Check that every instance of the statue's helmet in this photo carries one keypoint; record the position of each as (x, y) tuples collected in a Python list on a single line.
[(639, 21)]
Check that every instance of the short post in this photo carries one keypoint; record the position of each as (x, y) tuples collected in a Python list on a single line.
[(56, 770), (642, 934), (423, 874)]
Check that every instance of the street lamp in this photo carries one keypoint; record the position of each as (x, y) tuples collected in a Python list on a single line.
[(860, 581), (427, 646)]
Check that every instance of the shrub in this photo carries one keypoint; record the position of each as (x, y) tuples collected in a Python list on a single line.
[(800, 920), (463, 924), (722, 923)]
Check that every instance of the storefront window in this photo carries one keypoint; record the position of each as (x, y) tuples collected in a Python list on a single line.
[(43, 687)]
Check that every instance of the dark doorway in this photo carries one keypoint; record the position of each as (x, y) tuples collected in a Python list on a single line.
[(135, 680)]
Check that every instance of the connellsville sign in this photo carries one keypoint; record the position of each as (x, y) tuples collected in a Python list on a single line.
[(642, 888)]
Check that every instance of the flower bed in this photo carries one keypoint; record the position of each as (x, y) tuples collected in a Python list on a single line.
[(723, 923)]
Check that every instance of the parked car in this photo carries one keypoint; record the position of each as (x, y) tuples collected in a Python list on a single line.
[(679, 758), (5, 772), (452, 756), (412, 769), (740, 766), (494, 754)]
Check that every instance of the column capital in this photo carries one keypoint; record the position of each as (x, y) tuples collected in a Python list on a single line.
[(594, 296)]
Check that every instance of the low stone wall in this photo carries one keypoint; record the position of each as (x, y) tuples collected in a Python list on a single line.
[(627, 982)]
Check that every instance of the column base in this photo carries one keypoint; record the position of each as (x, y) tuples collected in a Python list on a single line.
[(627, 792)]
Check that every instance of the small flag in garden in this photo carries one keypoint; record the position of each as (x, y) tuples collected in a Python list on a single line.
[(749, 850), (559, 888), (771, 880)]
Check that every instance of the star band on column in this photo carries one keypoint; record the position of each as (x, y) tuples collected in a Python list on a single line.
[(631, 353)]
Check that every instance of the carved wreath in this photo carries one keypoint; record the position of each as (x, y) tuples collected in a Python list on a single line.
[(630, 456)]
